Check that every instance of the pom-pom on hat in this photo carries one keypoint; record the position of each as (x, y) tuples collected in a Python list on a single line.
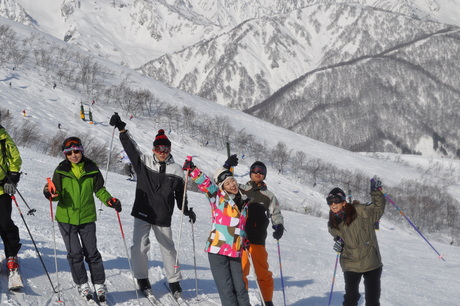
[(72, 144), (161, 139), (221, 175)]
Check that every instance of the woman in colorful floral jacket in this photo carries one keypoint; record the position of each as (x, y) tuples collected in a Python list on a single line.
[(227, 238)]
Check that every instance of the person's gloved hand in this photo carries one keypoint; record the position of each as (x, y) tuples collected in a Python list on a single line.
[(246, 244), (188, 166), (115, 121), (190, 214), (279, 231), (115, 204), (376, 184), (12, 180), (232, 161), (46, 191), (338, 246)]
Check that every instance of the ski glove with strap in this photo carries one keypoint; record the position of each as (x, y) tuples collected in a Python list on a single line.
[(338, 246), (191, 215), (115, 204), (232, 161), (115, 121), (279, 231), (376, 184), (12, 179), (188, 166)]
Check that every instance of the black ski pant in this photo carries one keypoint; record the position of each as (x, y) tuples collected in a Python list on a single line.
[(8, 230), (85, 250), (371, 287)]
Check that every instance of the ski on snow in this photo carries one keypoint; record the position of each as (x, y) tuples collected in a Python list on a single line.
[(176, 299)]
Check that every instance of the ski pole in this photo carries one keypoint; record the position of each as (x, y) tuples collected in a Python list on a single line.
[(31, 210), (108, 163), (333, 277), (52, 190), (255, 277), (127, 256), (410, 222), (32, 238), (194, 258), (281, 271), (184, 197)]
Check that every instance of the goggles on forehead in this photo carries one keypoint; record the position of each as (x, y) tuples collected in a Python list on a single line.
[(162, 149), (72, 143), (259, 170), (223, 176), (335, 200)]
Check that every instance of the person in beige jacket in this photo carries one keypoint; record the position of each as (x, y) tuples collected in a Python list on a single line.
[(352, 226)]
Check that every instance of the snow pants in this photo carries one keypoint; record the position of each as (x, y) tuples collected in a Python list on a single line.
[(264, 275), (371, 287), (81, 244), (227, 274), (141, 247), (8, 230)]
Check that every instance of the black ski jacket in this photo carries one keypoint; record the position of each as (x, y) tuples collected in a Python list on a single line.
[(155, 190)]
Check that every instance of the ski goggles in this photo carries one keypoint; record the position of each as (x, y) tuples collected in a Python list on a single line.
[(72, 143), (162, 149), (335, 200), (223, 176), (259, 170)]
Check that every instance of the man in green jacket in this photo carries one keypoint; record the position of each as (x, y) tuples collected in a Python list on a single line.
[(75, 180), (10, 162)]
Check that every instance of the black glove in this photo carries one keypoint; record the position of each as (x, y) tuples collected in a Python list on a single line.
[(279, 230), (115, 204), (246, 244), (190, 214), (115, 121), (376, 184), (12, 179), (232, 161), (338, 246), (46, 192), (188, 165)]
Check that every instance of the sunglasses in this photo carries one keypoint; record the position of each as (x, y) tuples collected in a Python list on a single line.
[(68, 153), (259, 170), (162, 149)]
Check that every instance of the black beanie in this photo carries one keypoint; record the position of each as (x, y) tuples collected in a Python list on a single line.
[(161, 139), (337, 193)]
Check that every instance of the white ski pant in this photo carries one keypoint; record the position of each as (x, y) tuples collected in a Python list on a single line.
[(141, 248)]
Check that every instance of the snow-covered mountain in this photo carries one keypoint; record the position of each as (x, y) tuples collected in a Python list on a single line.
[(248, 54)]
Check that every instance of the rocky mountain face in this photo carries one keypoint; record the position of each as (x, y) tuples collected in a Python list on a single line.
[(366, 75)]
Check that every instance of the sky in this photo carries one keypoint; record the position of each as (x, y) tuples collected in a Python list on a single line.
[(412, 272)]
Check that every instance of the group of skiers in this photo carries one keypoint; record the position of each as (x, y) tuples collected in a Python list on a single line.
[(241, 214)]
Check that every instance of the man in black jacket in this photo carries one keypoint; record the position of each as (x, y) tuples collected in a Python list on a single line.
[(160, 181)]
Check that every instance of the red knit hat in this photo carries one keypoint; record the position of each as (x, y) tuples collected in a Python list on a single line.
[(161, 139)]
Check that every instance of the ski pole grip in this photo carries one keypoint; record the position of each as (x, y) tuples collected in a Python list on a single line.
[(51, 187)]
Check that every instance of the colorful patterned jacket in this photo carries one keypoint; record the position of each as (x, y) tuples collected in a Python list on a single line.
[(227, 231)]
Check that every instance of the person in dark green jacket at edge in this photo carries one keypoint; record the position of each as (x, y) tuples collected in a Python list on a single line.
[(76, 179), (353, 227)]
